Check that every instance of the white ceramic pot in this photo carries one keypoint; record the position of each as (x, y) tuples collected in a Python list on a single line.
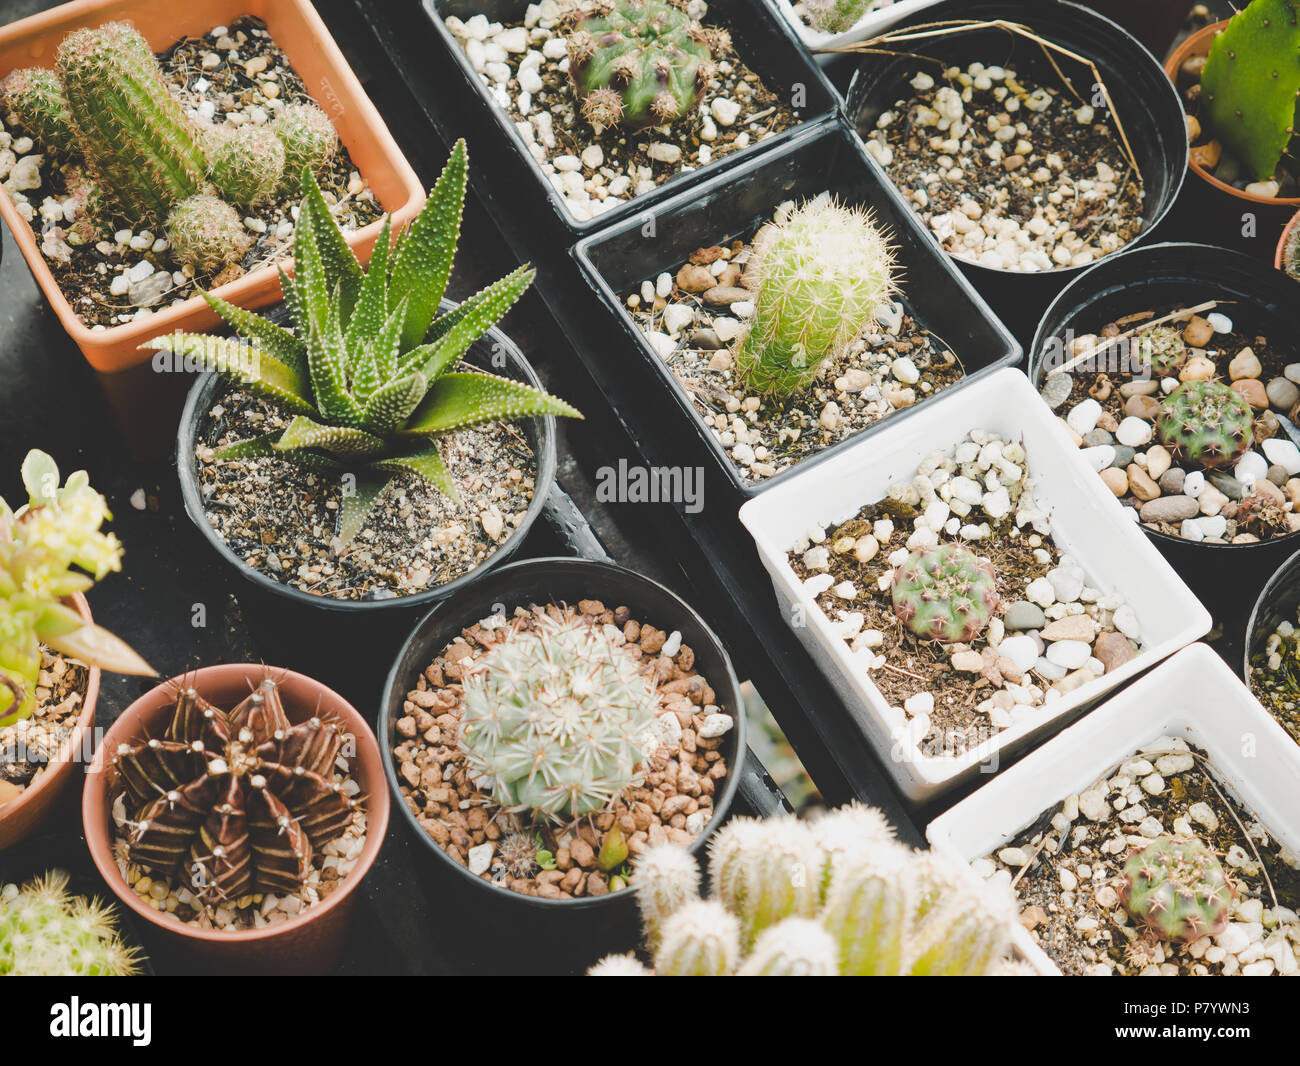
[(1193, 696), (1087, 523)]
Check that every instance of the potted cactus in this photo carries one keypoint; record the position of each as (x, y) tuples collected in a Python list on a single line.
[(835, 898), (365, 414), (51, 551), (531, 822), (174, 172)]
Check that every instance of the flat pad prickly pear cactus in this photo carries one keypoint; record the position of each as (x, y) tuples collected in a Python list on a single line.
[(1206, 422), (945, 593), (1177, 889), (1251, 81)]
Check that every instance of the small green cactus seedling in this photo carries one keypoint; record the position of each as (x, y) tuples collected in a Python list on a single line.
[(207, 233), (1207, 423), (45, 931), (835, 16), (557, 719), (248, 164), (1177, 889), (1163, 349), (945, 593), (886, 909), (637, 63), (51, 548), (309, 140), (822, 270), (1251, 82)]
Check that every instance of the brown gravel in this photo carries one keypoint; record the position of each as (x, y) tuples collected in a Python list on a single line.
[(27, 745), (678, 786)]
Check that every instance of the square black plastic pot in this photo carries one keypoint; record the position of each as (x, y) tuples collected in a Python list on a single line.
[(734, 205), (1144, 98), (763, 39)]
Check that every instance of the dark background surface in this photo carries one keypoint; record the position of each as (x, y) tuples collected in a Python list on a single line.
[(53, 400)]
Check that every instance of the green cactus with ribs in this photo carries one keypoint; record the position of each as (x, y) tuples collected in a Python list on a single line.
[(107, 102), (1176, 888), (945, 593), (1207, 423), (638, 63), (45, 931), (1251, 82)]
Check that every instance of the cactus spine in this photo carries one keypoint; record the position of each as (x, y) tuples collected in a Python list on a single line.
[(945, 593), (821, 272), (1206, 422), (887, 910), (1251, 83), (1177, 889), (638, 63), (47, 932)]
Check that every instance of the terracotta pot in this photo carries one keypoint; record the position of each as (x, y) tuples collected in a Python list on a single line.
[(1198, 44), (23, 816), (309, 943), (1280, 255), (299, 31)]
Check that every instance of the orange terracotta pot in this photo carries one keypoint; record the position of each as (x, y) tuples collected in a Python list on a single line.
[(21, 817), (308, 943), (1198, 44), (1280, 254), (298, 30)]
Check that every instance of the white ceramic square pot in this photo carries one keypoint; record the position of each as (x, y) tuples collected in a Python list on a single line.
[(1193, 696), (1087, 523), (871, 24)]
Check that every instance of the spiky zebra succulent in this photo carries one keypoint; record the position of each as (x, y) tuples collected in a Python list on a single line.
[(822, 270), (558, 719), (368, 371), (46, 931), (233, 802), (51, 548), (945, 593), (1207, 423), (884, 910), (1176, 888), (638, 63)]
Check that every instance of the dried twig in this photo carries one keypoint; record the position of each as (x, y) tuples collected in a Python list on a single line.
[(1101, 346)]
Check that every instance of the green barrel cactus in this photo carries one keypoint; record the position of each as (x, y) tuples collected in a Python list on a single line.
[(1207, 423), (45, 931), (1163, 349), (702, 939), (822, 270), (946, 593), (558, 720), (1251, 82), (765, 871), (248, 163), (207, 233), (638, 63), (794, 947), (1177, 889), (309, 139), (34, 96)]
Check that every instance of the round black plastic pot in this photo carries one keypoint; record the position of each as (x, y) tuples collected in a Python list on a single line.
[(325, 637), (490, 927), (1144, 99), (1224, 576), (1278, 602)]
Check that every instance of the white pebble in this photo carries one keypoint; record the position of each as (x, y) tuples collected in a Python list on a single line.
[(1083, 418), (1134, 432)]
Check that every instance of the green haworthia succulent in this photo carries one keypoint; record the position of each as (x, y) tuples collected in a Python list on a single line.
[(50, 549), (1251, 82), (1177, 889), (1207, 423), (45, 931), (638, 63), (946, 593), (368, 370), (557, 719), (885, 910), (822, 270)]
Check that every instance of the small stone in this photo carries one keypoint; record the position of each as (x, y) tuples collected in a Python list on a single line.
[(1144, 407), (1253, 391), (1250, 468), (1083, 416), (480, 858), (1282, 394), (1066, 583), (662, 152), (1158, 461), (1023, 615), (1070, 654), (1022, 651), (1141, 485), (1172, 481), (1169, 509), (1282, 453), (1113, 650), (1134, 432), (1041, 592), (968, 662), (1198, 332), (1071, 627), (1245, 364), (1126, 621), (693, 278), (715, 725), (1056, 389), (1116, 480), (724, 111)]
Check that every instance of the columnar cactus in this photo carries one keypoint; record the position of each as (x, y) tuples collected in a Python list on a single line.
[(822, 270), (946, 593), (887, 910), (1207, 423), (1251, 82), (1176, 888), (835, 16), (638, 63), (1163, 348), (558, 719), (45, 931)]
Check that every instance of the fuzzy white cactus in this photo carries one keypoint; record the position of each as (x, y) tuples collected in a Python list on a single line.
[(886, 910), (667, 878), (619, 966), (557, 720), (822, 270)]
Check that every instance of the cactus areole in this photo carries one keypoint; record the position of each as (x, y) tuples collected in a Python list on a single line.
[(1177, 889), (638, 63), (1206, 422), (945, 593)]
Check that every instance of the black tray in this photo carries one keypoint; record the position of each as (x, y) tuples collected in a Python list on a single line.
[(762, 38), (734, 204)]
